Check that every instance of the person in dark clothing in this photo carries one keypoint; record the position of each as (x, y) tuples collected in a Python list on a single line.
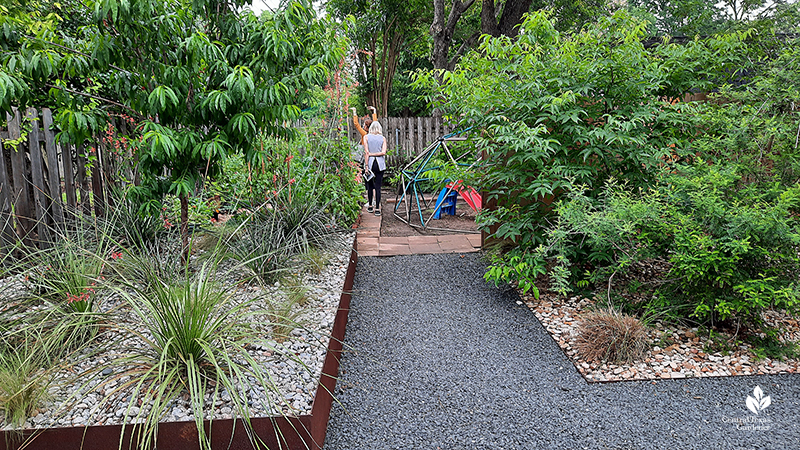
[(375, 155)]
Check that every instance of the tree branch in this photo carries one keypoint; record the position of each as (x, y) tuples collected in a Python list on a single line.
[(77, 52), (86, 94), (468, 43)]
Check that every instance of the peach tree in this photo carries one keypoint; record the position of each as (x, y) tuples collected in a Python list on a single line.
[(202, 79)]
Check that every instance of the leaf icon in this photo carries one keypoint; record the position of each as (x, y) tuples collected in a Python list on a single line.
[(766, 401), (760, 401), (757, 393), (752, 404)]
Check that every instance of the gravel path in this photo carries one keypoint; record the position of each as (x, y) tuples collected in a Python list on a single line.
[(439, 359)]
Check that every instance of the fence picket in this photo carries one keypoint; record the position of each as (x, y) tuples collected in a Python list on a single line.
[(52, 166), (97, 182), (69, 179), (40, 199), (6, 219), (81, 180), (419, 146), (19, 195)]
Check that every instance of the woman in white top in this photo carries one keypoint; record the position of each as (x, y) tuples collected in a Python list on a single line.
[(375, 155)]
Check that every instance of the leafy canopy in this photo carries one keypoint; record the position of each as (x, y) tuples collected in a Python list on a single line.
[(202, 80), (558, 110)]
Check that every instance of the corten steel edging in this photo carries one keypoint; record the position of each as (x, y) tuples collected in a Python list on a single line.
[(305, 432), (323, 400)]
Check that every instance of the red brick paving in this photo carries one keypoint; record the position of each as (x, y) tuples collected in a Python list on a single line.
[(371, 244)]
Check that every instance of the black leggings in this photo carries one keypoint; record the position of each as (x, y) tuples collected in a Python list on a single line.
[(375, 184)]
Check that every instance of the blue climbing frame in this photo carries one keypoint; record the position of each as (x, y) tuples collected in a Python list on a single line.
[(416, 172)]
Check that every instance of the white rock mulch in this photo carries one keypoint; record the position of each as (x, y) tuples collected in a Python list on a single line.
[(686, 355), (293, 366)]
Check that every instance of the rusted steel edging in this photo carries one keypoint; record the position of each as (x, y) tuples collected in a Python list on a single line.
[(305, 432)]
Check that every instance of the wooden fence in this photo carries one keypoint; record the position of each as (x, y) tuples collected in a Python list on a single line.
[(407, 137), (41, 181)]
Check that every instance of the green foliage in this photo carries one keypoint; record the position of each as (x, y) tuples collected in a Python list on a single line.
[(69, 273), (266, 241), (681, 18), (25, 373), (519, 266), (756, 124), (322, 174), (731, 252), (380, 32), (34, 343), (195, 343), (283, 315), (201, 80), (130, 225), (771, 347), (558, 111)]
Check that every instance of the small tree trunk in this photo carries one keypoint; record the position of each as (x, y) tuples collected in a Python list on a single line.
[(184, 229)]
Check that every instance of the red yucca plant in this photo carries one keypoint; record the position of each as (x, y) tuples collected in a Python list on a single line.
[(611, 336)]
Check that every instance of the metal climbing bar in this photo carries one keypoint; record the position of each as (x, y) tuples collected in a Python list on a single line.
[(415, 172)]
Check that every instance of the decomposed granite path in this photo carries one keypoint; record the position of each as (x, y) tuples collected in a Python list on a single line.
[(436, 358)]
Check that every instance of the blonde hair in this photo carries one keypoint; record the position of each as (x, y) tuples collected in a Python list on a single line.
[(375, 127)]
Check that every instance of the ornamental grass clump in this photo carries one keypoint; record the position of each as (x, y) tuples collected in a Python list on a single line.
[(25, 374), (283, 317), (611, 336), (69, 273), (267, 240), (194, 341), (32, 350)]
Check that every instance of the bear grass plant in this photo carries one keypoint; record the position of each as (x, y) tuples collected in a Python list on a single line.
[(195, 338), (267, 241)]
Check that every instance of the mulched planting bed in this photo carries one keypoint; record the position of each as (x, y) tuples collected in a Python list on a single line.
[(294, 365), (675, 352)]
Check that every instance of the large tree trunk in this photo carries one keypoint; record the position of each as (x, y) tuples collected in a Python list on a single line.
[(381, 66), (442, 30), (506, 25)]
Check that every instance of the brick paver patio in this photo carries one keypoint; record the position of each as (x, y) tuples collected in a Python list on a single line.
[(370, 242)]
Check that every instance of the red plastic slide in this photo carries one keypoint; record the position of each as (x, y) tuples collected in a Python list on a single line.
[(469, 195)]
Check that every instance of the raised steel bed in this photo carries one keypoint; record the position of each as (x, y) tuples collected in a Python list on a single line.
[(291, 433)]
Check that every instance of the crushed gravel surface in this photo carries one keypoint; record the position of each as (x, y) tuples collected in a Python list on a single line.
[(436, 358)]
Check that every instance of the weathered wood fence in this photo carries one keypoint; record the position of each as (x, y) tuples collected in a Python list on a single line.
[(407, 137), (42, 181)]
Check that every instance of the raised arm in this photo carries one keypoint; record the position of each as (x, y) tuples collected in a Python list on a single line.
[(358, 125), (374, 113)]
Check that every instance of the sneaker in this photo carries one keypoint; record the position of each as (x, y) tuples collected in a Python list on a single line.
[(378, 212), (369, 208)]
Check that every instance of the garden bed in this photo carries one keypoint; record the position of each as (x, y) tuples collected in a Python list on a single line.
[(304, 367), (675, 352)]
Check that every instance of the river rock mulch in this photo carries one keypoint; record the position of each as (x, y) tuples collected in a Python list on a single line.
[(675, 352), (293, 366)]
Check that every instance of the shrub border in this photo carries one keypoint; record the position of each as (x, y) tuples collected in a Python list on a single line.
[(278, 432)]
